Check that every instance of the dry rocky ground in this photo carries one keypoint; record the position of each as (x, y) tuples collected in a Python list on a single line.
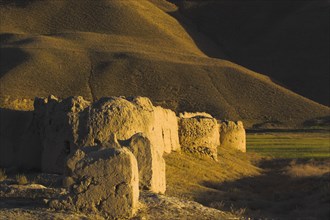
[(30, 202), (285, 189)]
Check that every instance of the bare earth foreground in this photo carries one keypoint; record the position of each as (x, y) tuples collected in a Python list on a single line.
[(238, 186)]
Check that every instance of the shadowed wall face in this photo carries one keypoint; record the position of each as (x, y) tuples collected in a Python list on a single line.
[(20, 146)]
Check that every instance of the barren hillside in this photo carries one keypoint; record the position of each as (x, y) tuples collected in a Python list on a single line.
[(115, 47)]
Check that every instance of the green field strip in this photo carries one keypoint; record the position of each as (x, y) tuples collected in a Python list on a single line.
[(301, 145)]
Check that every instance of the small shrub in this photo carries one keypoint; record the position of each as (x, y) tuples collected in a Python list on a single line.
[(3, 175), (21, 179), (238, 212), (218, 205)]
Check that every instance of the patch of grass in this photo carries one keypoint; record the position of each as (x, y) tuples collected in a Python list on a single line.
[(237, 212), (286, 187), (187, 175), (3, 175), (308, 169), (21, 179), (290, 145)]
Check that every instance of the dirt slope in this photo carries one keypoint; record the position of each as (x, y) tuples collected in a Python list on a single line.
[(114, 47), (286, 40)]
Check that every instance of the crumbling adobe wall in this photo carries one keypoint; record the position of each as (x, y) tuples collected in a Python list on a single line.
[(114, 115), (232, 135), (199, 135), (74, 123), (101, 180), (126, 117), (166, 125), (111, 147), (150, 162)]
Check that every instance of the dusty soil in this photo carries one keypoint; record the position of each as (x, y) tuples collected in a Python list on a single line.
[(30, 201)]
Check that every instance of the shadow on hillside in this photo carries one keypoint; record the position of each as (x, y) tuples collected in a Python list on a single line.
[(205, 44), (318, 122), (10, 58), (273, 195), (286, 40), (22, 202), (17, 3), (4, 37)]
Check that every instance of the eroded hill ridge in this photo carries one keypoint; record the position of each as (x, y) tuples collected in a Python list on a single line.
[(110, 149)]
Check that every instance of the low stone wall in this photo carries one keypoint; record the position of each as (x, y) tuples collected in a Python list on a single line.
[(199, 135), (232, 134)]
